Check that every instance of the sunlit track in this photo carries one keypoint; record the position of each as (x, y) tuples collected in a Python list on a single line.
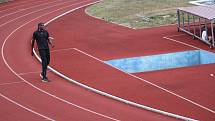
[(66, 2), (3, 84), (14, 6), (146, 81), (37, 87), (139, 78), (21, 10), (62, 100), (26, 73), (102, 93), (30, 110), (98, 53)]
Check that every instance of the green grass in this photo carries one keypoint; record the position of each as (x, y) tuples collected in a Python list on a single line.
[(2, 1), (138, 13)]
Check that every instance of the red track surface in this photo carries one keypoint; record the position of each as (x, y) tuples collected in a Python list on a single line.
[(61, 100)]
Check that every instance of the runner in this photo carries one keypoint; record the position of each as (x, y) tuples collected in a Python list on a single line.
[(43, 40)]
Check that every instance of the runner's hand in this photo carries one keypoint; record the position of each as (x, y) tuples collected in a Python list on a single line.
[(52, 46), (32, 53)]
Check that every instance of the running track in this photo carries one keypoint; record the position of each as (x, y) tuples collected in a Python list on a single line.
[(78, 38)]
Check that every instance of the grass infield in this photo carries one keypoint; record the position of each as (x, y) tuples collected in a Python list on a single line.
[(3, 1), (138, 13)]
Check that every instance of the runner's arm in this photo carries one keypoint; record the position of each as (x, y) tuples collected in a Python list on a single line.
[(50, 41), (32, 44)]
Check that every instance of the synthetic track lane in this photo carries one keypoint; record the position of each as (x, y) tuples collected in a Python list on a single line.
[(18, 56), (12, 58), (114, 43), (88, 99), (99, 75), (10, 112), (30, 89), (37, 11), (6, 8), (46, 105), (120, 42), (18, 12), (199, 88)]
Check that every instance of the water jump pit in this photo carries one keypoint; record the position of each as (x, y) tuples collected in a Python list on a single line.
[(163, 61)]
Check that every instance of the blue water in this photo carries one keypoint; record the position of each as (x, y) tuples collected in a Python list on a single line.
[(163, 61)]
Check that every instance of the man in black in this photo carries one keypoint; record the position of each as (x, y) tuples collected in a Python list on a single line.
[(42, 38)]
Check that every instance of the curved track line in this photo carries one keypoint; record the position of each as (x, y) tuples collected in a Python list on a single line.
[(106, 94), (10, 68), (28, 109), (9, 83), (117, 98), (28, 8), (34, 12), (15, 5), (210, 110), (33, 72), (166, 90)]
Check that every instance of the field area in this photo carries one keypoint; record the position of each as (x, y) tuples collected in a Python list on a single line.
[(138, 13), (2, 1)]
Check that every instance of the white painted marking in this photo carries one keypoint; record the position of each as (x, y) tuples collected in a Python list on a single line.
[(183, 43), (210, 110), (9, 83), (176, 35), (1, 25), (16, 5), (34, 72), (59, 50), (10, 68), (19, 10), (115, 97), (106, 94), (26, 108), (192, 102), (168, 91)]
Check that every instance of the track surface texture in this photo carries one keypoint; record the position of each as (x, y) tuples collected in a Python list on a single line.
[(82, 43)]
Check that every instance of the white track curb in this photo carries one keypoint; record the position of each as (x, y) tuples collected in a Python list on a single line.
[(104, 93)]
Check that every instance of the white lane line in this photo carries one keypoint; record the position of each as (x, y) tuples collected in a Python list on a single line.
[(108, 95), (16, 5), (59, 50), (39, 89), (26, 73), (1, 25), (192, 46), (33, 72), (84, 86), (115, 97), (19, 10), (9, 83), (176, 35), (183, 43), (192, 102), (26, 108)]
